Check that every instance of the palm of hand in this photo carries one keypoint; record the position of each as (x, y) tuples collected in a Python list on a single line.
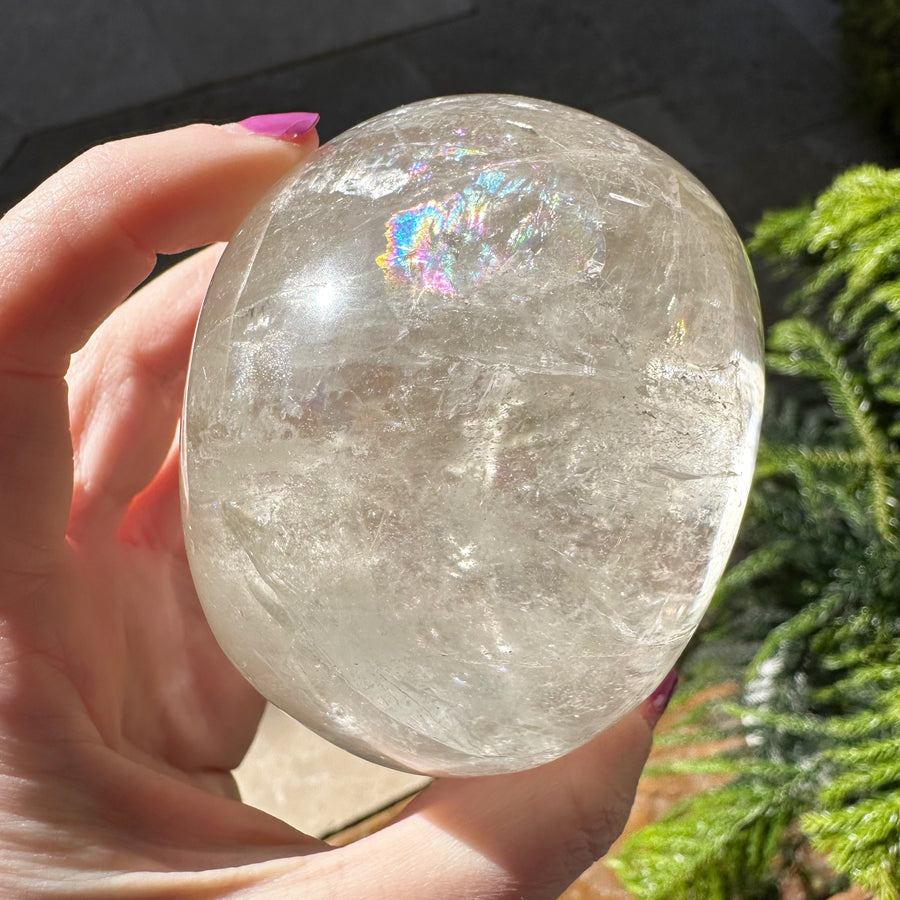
[(180, 704), (158, 689)]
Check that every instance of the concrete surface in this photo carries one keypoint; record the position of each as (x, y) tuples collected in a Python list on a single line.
[(311, 784)]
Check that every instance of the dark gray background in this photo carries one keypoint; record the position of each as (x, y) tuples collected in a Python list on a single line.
[(751, 96)]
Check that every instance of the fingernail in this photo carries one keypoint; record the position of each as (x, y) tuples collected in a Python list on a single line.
[(281, 125), (658, 701)]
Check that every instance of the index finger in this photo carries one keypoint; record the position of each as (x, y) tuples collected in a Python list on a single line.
[(77, 246), (69, 254)]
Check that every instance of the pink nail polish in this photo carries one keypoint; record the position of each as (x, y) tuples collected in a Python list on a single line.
[(658, 701), (281, 125)]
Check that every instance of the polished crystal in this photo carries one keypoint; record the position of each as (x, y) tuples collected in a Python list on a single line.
[(470, 424)]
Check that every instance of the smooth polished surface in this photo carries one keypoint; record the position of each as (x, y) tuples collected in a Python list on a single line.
[(470, 424)]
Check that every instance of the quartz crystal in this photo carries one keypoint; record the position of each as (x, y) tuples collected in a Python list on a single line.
[(470, 424)]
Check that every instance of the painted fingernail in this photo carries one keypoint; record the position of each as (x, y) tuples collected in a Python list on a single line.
[(281, 125), (658, 701)]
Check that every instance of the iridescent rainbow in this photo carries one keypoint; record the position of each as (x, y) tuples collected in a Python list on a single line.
[(446, 245)]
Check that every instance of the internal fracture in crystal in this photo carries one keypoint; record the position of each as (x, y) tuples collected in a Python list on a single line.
[(470, 424)]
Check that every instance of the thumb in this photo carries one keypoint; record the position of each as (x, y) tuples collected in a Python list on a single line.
[(525, 835)]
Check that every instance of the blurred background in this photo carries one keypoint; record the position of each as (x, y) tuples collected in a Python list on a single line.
[(754, 98)]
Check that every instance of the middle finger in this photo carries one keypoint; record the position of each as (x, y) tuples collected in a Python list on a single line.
[(126, 389)]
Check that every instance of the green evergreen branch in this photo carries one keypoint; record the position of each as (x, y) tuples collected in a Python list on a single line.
[(813, 599), (861, 840), (851, 728), (796, 629), (877, 677), (723, 765), (710, 850), (884, 299), (874, 753), (747, 571), (812, 353), (687, 738), (879, 774)]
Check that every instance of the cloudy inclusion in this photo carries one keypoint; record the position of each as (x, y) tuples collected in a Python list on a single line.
[(470, 425)]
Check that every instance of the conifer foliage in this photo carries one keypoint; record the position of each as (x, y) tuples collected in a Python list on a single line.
[(808, 617)]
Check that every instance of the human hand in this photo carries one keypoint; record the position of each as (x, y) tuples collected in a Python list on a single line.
[(120, 718)]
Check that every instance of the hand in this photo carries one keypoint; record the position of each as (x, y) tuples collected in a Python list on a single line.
[(120, 718)]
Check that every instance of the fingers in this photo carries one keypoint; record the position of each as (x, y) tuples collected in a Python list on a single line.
[(507, 837), (76, 247), (153, 517), (69, 254), (125, 392)]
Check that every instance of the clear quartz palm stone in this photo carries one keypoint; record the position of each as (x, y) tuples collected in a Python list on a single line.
[(470, 424)]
